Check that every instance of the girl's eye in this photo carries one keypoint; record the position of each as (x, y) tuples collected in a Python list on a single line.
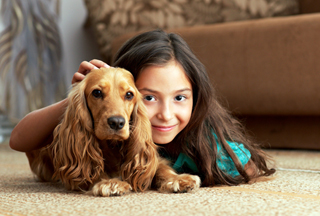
[(97, 93), (149, 98), (180, 98), (129, 95)]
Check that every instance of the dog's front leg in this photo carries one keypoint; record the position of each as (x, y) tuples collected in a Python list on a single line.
[(167, 180), (109, 187)]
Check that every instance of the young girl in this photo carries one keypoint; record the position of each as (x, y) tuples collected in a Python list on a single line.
[(191, 128)]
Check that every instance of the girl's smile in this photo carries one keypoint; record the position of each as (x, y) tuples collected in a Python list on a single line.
[(163, 128), (167, 94)]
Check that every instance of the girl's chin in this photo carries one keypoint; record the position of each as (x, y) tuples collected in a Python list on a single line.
[(157, 143), (162, 141)]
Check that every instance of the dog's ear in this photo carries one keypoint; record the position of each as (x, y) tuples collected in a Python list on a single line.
[(77, 158), (141, 157)]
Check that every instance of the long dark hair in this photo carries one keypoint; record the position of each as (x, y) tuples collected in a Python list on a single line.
[(196, 139)]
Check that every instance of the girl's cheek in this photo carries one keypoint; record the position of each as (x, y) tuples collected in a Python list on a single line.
[(185, 113), (150, 110)]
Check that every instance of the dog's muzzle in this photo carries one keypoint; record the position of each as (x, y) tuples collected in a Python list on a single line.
[(116, 122)]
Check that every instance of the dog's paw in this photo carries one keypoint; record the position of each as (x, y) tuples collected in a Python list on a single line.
[(180, 184), (110, 187)]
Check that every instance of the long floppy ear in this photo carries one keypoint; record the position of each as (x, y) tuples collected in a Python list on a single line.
[(77, 158), (141, 156)]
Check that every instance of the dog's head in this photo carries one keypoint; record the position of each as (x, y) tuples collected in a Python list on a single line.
[(111, 96), (106, 105)]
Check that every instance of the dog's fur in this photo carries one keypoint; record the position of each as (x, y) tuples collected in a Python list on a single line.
[(104, 142)]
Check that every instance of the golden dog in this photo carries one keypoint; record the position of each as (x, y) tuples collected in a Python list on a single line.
[(104, 142)]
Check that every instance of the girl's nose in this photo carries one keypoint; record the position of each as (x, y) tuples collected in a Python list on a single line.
[(165, 112)]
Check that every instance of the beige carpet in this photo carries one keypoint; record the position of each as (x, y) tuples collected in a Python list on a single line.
[(294, 191)]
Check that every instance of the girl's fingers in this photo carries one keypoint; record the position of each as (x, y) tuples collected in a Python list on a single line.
[(77, 77), (85, 67), (99, 63)]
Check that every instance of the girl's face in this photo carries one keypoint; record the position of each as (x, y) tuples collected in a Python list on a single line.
[(167, 94)]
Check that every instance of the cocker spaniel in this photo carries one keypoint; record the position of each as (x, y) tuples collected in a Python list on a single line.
[(103, 144)]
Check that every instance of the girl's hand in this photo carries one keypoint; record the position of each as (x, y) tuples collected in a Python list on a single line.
[(85, 67)]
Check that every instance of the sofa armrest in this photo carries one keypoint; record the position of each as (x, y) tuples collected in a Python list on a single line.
[(261, 67)]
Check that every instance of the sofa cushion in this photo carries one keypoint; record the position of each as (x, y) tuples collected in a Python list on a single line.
[(112, 18)]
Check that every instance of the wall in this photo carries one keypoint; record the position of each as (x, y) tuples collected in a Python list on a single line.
[(78, 43)]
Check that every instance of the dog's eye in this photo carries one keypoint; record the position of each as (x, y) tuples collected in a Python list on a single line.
[(97, 93), (129, 95)]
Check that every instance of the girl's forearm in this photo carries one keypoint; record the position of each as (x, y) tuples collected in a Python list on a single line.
[(35, 129)]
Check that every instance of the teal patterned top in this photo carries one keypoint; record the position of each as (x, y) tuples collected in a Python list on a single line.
[(184, 164)]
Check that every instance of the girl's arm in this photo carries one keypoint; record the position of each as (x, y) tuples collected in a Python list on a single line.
[(35, 130)]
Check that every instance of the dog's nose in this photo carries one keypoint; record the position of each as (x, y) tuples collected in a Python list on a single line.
[(116, 122)]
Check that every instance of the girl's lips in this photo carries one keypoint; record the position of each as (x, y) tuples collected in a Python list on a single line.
[(162, 128)]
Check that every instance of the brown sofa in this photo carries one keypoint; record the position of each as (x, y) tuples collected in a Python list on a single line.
[(267, 71)]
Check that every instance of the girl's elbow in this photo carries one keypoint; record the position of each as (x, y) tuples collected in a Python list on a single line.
[(13, 143)]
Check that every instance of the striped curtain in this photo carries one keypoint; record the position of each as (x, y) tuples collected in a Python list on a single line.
[(31, 69)]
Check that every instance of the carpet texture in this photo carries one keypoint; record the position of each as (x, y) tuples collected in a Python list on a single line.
[(294, 191)]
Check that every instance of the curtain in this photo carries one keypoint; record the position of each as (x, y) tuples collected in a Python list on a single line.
[(31, 69)]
